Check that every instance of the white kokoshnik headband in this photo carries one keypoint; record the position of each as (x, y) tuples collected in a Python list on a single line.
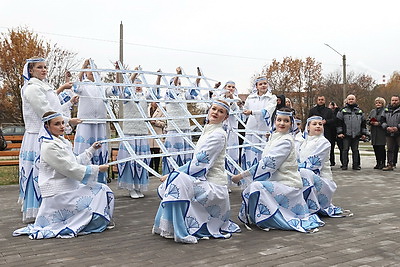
[(25, 72), (221, 104), (50, 117)]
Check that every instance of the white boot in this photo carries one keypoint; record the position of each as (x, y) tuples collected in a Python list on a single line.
[(133, 194), (139, 193)]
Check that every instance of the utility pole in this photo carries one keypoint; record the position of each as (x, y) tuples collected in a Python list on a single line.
[(344, 72)]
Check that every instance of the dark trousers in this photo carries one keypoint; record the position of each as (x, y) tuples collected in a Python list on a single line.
[(395, 154), (339, 143), (380, 154), (155, 162), (332, 154), (349, 142), (391, 142)]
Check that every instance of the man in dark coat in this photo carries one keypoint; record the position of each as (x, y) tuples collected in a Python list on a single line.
[(329, 123), (391, 124)]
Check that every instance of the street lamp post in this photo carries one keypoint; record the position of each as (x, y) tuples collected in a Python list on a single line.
[(344, 71)]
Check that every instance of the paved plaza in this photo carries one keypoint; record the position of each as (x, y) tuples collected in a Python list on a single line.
[(370, 238)]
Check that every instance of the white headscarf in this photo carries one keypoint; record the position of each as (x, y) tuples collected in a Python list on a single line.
[(307, 129), (44, 133), (25, 72)]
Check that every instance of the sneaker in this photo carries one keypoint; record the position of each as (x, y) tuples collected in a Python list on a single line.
[(357, 168), (388, 168), (133, 194), (139, 193), (111, 224)]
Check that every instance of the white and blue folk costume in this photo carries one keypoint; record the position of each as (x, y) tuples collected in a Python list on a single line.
[(177, 143), (91, 106), (231, 126), (274, 198), (38, 97), (65, 97), (315, 170), (195, 198), (262, 108), (72, 202), (132, 175)]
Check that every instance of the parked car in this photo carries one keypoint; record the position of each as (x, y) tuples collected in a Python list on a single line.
[(14, 130)]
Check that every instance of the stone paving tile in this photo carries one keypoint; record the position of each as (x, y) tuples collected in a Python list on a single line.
[(369, 238)]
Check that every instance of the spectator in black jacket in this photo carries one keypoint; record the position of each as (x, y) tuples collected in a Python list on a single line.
[(352, 126), (391, 124), (329, 123)]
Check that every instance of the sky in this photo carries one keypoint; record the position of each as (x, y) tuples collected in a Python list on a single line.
[(231, 40)]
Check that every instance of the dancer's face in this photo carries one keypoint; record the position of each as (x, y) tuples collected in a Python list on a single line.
[(39, 70), (56, 126), (316, 127), (217, 114), (230, 87), (262, 87), (282, 123)]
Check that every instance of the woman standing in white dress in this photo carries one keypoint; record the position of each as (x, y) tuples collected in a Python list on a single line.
[(259, 106), (38, 97), (73, 202), (194, 198)]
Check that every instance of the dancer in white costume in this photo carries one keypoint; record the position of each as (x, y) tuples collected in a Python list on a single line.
[(72, 202), (315, 170), (259, 106), (174, 109), (37, 98), (231, 126), (131, 175), (91, 106), (194, 198), (273, 199)]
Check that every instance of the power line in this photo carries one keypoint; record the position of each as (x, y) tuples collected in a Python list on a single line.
[(152, 46)]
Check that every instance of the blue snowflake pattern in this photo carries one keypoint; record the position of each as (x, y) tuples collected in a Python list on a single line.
[(42, 222), (282, 200), (214, 211), (83, 203), (262, 210), (233, 228), (200, 194), (299, 209), (192, 223), (62, 216), (43, 234), (268, 162), (246, 195), (91, 140), (173, 191), (269, 186), (323, 200), (312, 205), (202, 157), (315, 161), (317, 182)]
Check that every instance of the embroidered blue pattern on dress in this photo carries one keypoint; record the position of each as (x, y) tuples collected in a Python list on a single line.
[(312, 204), (305, 182), (192, 223), (95, 188), (83, 203), (42, 221), (214, 211), (299, 209), (317, 182), (62, 216), (262, 210), (315, 161), (268, 162), (268, 186), (282, 200), (79, 139), (323, 200), (173, 191), (200, 195), (202, 157)]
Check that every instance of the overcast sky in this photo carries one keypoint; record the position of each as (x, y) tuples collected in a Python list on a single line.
[(235, 38)]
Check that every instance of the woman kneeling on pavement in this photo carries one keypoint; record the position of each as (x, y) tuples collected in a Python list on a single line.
[(194, 198), (315, 170), (273, 199), (73, 202)]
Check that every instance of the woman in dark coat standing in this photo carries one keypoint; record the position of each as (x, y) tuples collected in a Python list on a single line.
[(378, 137)]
